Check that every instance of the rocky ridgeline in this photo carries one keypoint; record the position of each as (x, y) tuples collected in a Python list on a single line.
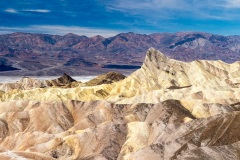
[(167, 109)]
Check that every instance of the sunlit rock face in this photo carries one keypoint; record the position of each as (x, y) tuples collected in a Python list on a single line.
[(27, 83), (106, 78), (167, 109)]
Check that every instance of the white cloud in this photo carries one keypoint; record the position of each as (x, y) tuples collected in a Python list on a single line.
[(37, 10), (60, 30), (153, 5), (11, 10), (232, 4), (171, 9)]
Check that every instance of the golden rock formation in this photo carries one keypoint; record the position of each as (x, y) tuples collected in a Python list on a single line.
[(167, 109), (27, 83), (107, 78)]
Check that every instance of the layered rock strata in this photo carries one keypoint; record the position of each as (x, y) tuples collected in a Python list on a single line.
[(167, 109)]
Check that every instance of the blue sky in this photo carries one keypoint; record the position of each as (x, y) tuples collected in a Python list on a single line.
[(110, 17)]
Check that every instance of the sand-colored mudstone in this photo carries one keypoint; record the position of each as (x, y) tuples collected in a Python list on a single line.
[(106, 78), (167, 109)]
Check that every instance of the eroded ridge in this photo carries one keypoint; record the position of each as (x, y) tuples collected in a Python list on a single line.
[(167, 109)]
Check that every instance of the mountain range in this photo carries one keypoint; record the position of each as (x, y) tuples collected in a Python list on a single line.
[(43, 54)]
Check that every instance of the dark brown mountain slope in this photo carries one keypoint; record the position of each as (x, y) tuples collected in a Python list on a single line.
[(42, 54)]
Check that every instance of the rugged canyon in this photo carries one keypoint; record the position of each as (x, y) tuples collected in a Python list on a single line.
[(167, 109)]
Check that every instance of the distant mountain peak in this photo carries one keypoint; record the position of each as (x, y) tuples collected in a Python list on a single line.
[(71, 34), (97, 37)]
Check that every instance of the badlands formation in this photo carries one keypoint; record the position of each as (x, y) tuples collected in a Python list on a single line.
[(167, 109)]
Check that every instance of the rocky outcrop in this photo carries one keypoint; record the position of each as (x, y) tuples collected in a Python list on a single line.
[(106, 78), (211, 84), (98, 129), (61, 81), (27, 83), (168, 109)]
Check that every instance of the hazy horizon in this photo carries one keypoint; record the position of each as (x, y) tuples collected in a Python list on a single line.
[(12, 79), (124, 33)]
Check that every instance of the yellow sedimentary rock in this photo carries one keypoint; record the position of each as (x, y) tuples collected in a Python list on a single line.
[(160, 78), (167, 109)]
